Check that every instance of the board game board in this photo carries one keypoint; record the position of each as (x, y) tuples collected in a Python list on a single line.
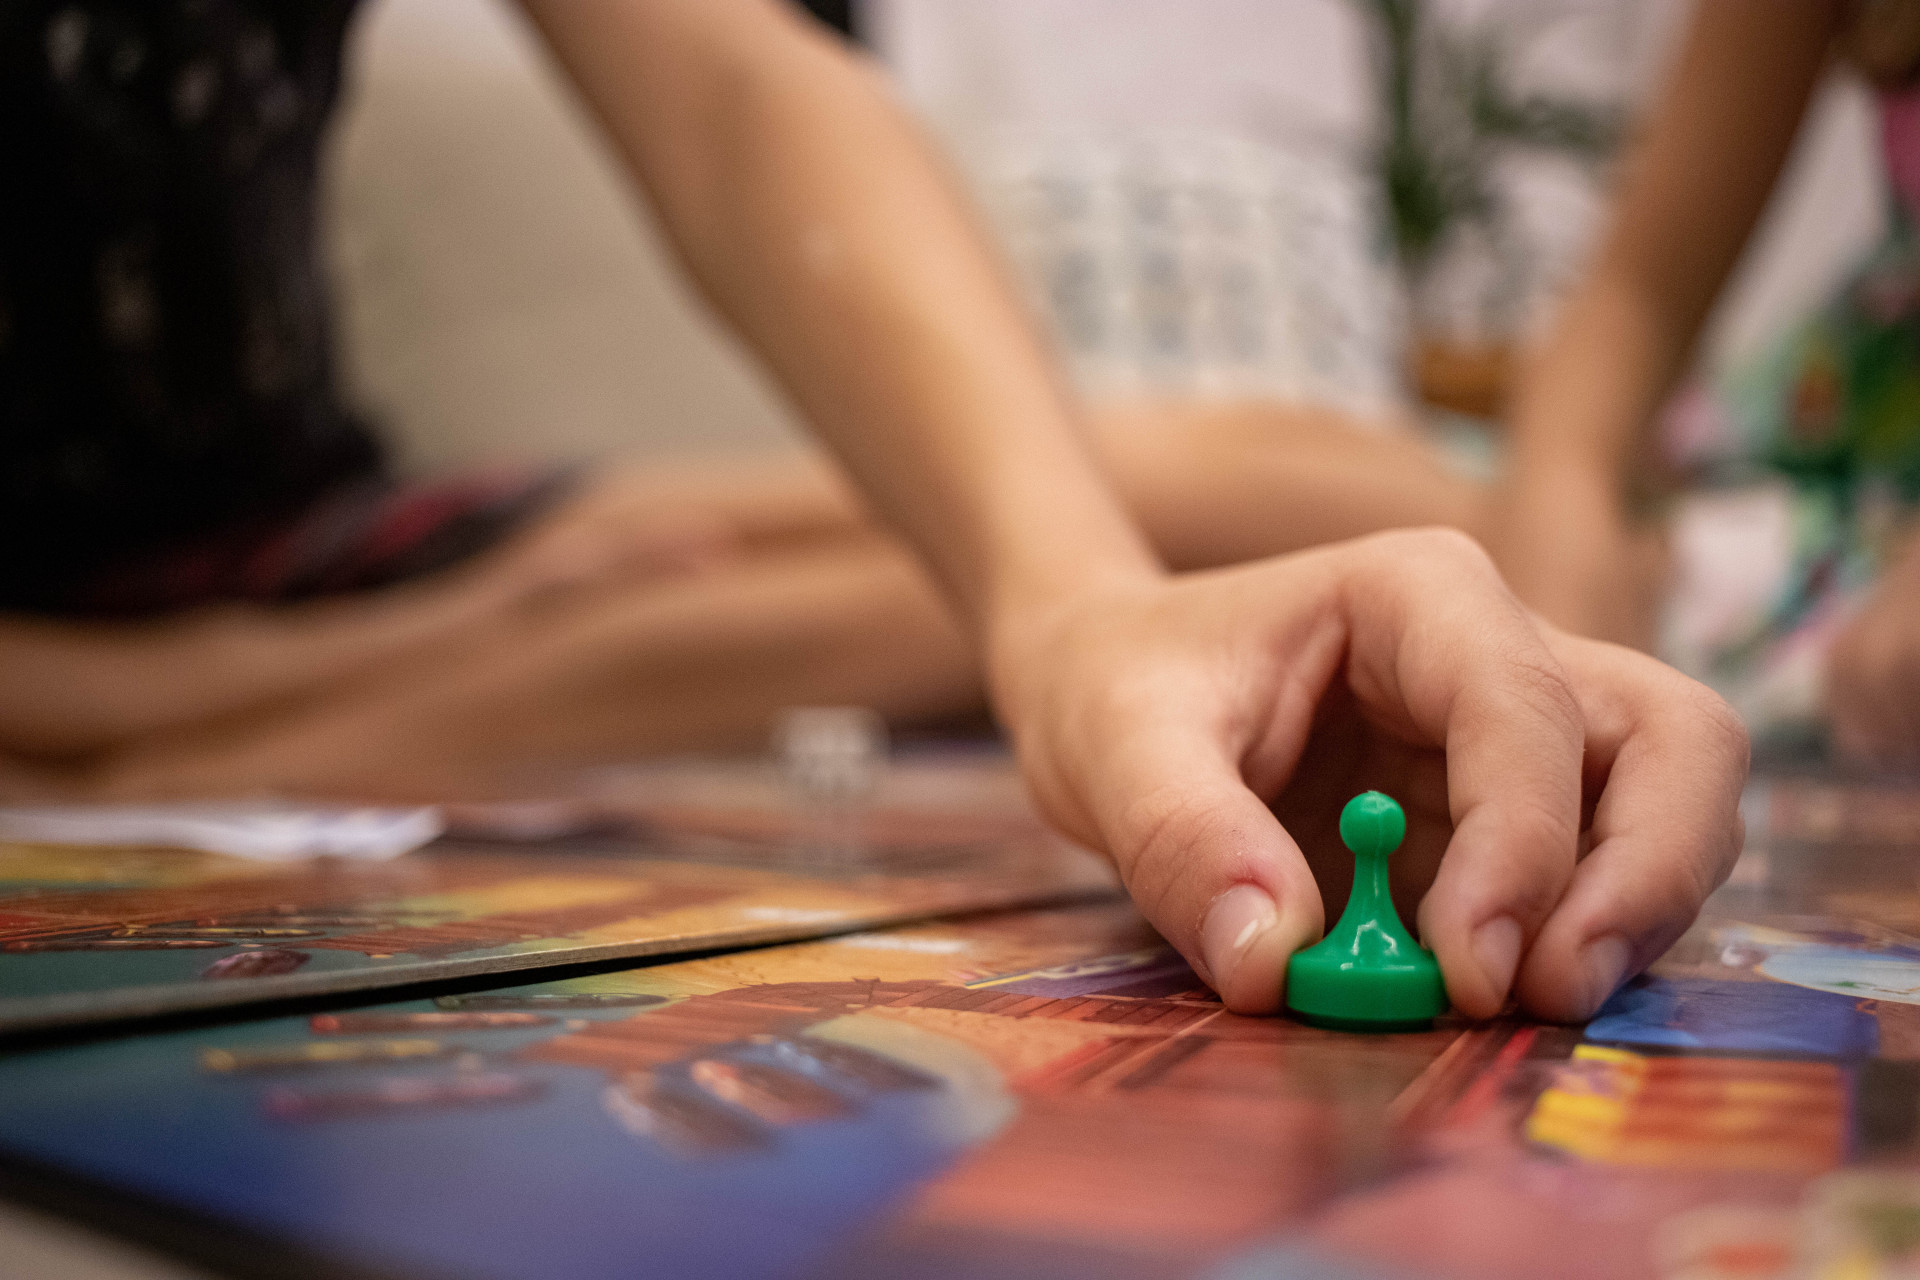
[(1051, 1093), (667, 860)]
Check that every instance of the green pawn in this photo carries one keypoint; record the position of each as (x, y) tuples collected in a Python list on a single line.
[(1368, 973)]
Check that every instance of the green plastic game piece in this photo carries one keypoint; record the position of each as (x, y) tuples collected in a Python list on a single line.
[(1368, 973)]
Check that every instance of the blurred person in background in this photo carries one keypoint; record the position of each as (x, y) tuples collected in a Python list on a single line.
[(216, 589), (1208, 255), (230, 580), (1830, 415)]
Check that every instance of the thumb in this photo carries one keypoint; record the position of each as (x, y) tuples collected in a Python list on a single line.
[(1211, 867)]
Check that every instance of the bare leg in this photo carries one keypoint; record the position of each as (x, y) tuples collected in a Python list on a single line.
[(702, 663), (72, 688), (821, 610)]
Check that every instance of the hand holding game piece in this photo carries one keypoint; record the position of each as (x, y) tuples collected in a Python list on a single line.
[(1157, 717), (1570, 804), (1368, 974)]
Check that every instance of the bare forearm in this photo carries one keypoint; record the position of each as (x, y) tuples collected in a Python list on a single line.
[(1220, 484), (1689, 198), (1588, 396), (817, 221)]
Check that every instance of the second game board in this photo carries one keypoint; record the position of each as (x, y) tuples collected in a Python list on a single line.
[(706, 858)]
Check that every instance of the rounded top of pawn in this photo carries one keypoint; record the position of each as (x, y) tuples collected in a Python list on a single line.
[(1372, 824)]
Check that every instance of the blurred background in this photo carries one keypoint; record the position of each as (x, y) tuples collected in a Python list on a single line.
[(1233, 209), (1196, 207)]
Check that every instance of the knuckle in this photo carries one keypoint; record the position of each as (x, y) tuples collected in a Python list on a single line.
[(1451, 543), (1677, 883), (1727, 726), (1538, 685), (1689, 880), (1550, 841), (1434, 546), (1675, 704), (1719, 724), (1161, 836)]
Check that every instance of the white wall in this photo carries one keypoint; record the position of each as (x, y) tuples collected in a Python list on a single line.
[(501, 291)]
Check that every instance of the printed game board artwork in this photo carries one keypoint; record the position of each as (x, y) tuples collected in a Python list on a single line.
[(1039, 1093), (1025, 1094), (886, 1103), (709, 857)]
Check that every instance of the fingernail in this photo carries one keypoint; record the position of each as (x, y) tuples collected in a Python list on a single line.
[(1604, 961), (1234, 922), (1496, 949)]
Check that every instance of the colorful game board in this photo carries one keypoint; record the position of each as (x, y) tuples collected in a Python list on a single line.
[(1042, 1093), (668, 861)]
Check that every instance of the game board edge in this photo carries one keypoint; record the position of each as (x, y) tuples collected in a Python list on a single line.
[(39, 1015)]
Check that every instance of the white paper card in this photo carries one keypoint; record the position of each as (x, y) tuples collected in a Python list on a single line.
[(263, 831)]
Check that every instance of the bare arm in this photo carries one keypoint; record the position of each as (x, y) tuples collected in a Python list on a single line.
[(1154, 719), (1690, 197), (816, 219)]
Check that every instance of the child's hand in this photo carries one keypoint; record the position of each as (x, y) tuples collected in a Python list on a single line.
[(1569, 552), (1158, 722), (1873, 669)]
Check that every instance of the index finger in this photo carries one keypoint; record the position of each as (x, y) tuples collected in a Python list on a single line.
[(1469, 669), (1670, 758)]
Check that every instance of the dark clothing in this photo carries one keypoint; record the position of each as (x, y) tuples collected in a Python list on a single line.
[(165, 370), (842, 15), (356, 536), (170, 431)]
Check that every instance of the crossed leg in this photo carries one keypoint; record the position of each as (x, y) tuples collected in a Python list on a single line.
[(782, 594)]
